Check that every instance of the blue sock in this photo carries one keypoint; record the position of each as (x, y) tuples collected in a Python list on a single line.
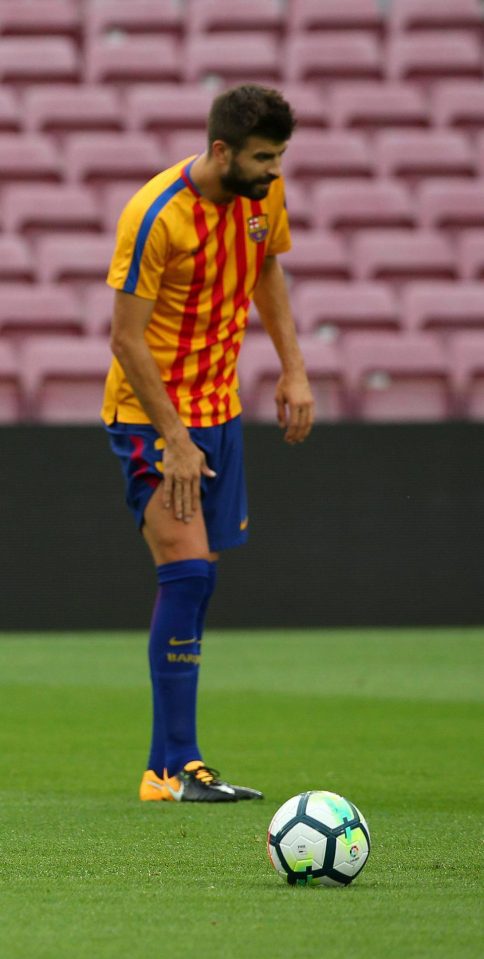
[(174, 654)]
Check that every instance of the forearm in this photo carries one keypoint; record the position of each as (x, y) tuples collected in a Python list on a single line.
[(272, 302), (144, 377)]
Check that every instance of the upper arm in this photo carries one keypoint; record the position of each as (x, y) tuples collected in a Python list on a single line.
[(131, 315)]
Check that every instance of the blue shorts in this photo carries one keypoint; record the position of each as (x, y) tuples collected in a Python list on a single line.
[(224, 497)]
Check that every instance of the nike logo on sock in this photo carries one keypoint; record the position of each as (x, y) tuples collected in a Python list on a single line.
[(181, 642)]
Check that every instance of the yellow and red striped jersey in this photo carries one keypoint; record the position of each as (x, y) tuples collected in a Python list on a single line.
[(200, 262)]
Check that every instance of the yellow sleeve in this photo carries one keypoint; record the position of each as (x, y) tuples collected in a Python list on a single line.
[(141, 250), (280, 235)]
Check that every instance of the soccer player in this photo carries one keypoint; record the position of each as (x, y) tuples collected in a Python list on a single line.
[(193, 247)]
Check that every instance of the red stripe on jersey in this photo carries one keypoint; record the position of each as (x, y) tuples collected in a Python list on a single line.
[(240, 296), (261, 247), (215, 316)]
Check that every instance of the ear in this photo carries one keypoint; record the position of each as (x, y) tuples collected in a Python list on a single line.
[(221, 153)]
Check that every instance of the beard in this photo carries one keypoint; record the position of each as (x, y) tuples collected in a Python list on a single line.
[(234, 182)]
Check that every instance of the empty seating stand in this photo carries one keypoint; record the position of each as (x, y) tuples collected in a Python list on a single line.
[(64, 377)]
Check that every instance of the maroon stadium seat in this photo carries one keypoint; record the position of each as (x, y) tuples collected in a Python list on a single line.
[(73, 256), (10, 112), (467, 358), (399, 255), (470, 255), (334, 15), (480, 154), (109, 155), (316, 254), (333, 153), (126, 16), (308, 102), (38, 59), (371, 105), (458, 103), (241, 56), (23, 17), (298, 204), (451, 203), (45, 206), (167, 106), (203, 16), (126, 58), (332, 56), (98, 301), (15, 259), (114, 198), (332, 308), (31, 309), (260, 368), (28, 157), (448, 14), (395, 377), (432, 55), (423, 153), (443, 306), (359, 203), (185, 144), (62, 107), (64, 378), (12, 407)]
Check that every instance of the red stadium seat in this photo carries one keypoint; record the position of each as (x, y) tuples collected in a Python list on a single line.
[(332, 308), (357, 204), (61, 107), (260, 368), (107, 155), (373, 105), (44, 206), (467, 358), (142, 16), (458, 103), (315, 254), (64, 378), (22, 17), (451, 203), (167, 106), (312, 153), (10, 113), (433, 55), (334, 15), (12, 408), (443, 306), (28, 157), (125, 58), (241, 56), (470, 255), (38, 59), (395, 377), (15, 259), (204, 16), (73, 256), (332, 56), (31, 309), (423, 153), (114, 198), (448, 14), (98, 304), (398, 255)]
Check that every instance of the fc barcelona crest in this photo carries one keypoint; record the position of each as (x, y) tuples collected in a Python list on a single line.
[(258, 227)]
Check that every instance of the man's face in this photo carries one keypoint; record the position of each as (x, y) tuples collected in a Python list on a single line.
[(251, 171)]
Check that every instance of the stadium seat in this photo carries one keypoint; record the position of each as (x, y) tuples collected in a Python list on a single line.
[(12, 407), (372, 105), (451, 203), (308, 102), (470, 254), (28, 157), (167, 106), (127, 59), (22, 17), (443, 306), (458, 103), (114, 198), (97, 308), (402, 255), (442, 14), (104, 156), (205, 16), (31, 309), (332, 56), (334, 308), (298, 204), (467, 357), (45, 206), (124, 16), (423, 153), (38, 59), (259, 369), (73, 256), (241, 57), (312, 153), (398, 378), (315, 254), (15, 259), (334, 15), (179, 146), (432, 55), (64, 378), (10, 112), (62, 108), (359, 203)]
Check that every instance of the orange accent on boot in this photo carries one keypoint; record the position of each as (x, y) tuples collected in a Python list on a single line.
[(152, 788)]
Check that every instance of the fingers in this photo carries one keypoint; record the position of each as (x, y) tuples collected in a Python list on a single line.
[(182, 486), (301, 419), (281, 412)]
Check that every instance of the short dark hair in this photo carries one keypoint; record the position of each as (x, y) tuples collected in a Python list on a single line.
[(250, 110)]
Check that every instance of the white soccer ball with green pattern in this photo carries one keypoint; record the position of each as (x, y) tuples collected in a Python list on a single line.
[(318, 839)]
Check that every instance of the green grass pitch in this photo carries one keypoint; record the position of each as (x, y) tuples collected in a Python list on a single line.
[(387, 718)]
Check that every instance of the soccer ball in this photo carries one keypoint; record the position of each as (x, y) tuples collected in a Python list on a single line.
[(318, 839)]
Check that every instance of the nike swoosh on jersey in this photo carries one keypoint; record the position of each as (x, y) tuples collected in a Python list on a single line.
[(181, 642)]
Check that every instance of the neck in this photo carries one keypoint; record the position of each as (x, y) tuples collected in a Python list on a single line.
[(207, 181)]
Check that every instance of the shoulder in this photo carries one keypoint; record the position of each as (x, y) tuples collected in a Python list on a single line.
[(155, 199)]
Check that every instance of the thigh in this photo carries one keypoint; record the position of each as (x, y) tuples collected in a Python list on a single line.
[(171, 540)]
